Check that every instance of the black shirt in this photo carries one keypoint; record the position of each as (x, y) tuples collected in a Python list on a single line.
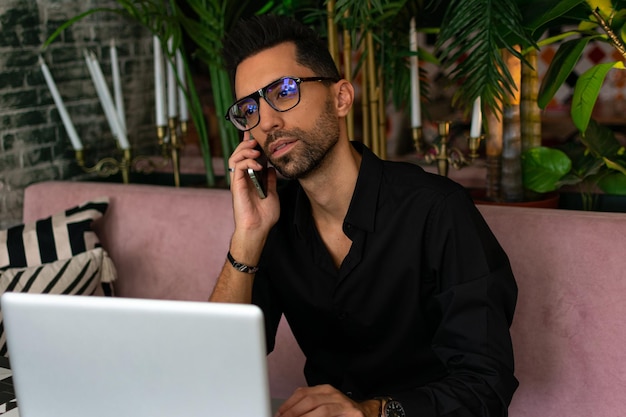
[(421, 306)]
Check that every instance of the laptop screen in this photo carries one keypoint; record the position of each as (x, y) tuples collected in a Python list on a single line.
[(100, 356)]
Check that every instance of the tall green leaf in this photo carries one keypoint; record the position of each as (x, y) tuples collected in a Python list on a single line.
[(586, 92), (537, 13), (560, 68)]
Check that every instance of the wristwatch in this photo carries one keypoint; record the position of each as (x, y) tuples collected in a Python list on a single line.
[(391, 408)]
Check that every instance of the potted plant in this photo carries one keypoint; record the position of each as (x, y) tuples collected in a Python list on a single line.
[(597, 160), (597, 157), (594, 163)]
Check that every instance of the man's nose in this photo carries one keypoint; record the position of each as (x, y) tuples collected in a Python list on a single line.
[(269, 118)]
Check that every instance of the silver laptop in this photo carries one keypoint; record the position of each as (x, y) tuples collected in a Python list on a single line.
[(77, 356)]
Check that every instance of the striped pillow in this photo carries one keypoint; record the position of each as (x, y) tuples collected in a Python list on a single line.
[(60, 254), (60, 236), (80, 274)]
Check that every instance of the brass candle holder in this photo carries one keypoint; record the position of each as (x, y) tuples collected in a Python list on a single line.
[(418, 139), (161, 135), (175, 145), (183, 126), (446, 155), (474, 145), (170, 139), (110, 166), (107, 167)]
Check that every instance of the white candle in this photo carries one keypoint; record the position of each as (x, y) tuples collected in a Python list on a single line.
[(58, 101), (159, 83), (182, 100), (477, 117), (105, 99), (117, 86), (172, 85), (416, 111)]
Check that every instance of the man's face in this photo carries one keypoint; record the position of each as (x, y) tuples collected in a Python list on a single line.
[(296, 141)]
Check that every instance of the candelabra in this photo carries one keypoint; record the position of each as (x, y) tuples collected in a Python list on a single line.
[(171, 139), (109, 166), (444, 154)]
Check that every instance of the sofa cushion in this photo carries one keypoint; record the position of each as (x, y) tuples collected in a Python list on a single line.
[(60, 236), (59, 254)]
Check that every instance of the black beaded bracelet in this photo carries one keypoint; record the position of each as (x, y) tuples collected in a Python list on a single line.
[(241, 267)]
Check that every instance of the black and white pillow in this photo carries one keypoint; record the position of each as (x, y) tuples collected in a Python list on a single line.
[(60, 236), (60, 254)]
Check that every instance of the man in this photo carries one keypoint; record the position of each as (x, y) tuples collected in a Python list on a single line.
[(396, 290)]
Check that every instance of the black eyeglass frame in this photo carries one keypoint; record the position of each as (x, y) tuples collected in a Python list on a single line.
[(261, 92)]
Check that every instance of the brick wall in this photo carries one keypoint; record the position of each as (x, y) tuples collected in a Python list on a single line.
[(34, 145)]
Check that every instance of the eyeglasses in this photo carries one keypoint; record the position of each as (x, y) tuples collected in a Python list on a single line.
[(282, 95)]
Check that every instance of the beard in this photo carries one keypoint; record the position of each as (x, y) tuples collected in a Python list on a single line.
[(314, 145)]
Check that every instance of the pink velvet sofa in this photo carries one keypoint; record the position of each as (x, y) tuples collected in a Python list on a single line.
[(569, 331)]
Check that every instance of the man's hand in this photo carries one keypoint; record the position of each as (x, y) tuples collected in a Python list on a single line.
[(253, 215), (325, 401)]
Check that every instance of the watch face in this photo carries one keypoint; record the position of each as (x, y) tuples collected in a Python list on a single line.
[(394, 409)]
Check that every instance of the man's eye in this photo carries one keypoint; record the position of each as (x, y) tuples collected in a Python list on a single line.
[(288, 91), (249, 109)]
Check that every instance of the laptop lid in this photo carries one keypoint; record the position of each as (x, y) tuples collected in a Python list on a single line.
[(77, 356)]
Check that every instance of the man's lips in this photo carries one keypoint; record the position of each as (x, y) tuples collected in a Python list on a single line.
[(280, 147)]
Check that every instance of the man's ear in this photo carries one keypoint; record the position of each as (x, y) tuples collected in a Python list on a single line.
[(345, 97)]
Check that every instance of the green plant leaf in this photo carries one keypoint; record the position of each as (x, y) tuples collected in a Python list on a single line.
[(569, 179), (469, 46), (537, 13), (600, 140), (603, 6), (543, 168), (613, 184), (73, 20), (586, 92), (560, 68), (618, 20), (584, 165), (614, 165)]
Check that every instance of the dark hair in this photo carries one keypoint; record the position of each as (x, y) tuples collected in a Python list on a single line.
[(251, 36)]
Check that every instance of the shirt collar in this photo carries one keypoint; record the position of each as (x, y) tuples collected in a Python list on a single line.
[(362, 210)]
